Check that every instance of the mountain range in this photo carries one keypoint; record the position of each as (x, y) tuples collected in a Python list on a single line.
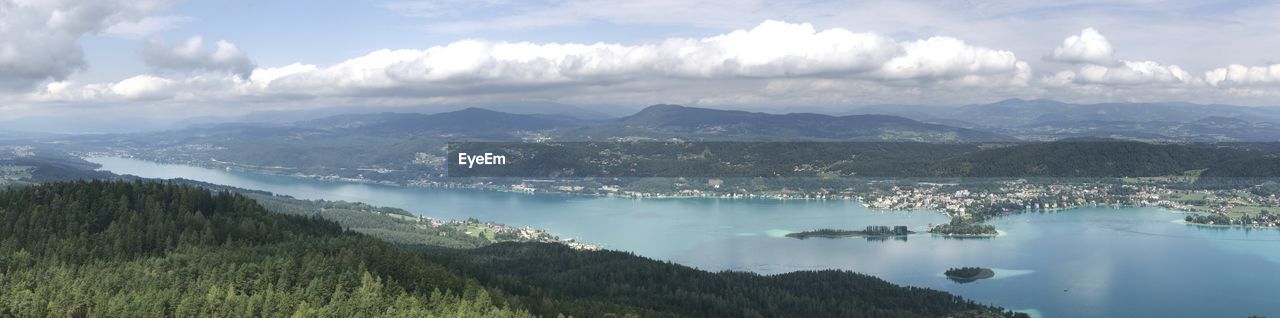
[(712, 124), (652, 123), (1031, 120), (1050, 120), (1008, 120)]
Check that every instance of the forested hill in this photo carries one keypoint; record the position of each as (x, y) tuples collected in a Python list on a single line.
[(474, 122), (130, 249), (1096, 157), (611, 281), (119, 249), (715, 124)]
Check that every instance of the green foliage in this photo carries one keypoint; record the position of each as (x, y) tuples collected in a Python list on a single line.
[(389, 224), (965, 272), (964, 226), (118, 249), (134, 249), (552, 278)]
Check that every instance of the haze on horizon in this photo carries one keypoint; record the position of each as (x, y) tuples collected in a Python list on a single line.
[(170, 61)]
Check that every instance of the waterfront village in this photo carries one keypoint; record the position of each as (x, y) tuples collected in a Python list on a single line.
[(1240, 207)]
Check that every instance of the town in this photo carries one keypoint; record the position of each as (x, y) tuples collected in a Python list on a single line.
[(974, 199)]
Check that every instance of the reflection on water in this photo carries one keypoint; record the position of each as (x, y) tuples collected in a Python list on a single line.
[(902, 238), (1087, 262)]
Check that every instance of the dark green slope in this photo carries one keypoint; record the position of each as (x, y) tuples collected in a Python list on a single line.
[(470, 122), (118, 249), (704, 123), (552, 278), (1092, 157), (138, 249)]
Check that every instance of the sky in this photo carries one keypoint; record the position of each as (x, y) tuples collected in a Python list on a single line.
[(176, 59)]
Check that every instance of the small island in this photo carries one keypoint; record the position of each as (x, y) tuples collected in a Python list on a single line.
[(965, 227), (870, 231), (969, 274)]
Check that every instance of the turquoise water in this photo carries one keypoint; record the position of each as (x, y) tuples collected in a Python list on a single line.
[(1088, 262)]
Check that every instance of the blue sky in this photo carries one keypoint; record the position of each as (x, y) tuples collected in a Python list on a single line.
[(172, 59)]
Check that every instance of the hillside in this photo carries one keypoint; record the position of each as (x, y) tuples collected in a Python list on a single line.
[(470, 122), (1077, 157), (1090, 158), (1043, 119), (99, 249), (704, 123), (1207, 129)]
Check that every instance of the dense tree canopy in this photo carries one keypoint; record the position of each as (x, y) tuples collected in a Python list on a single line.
[(135, 249)]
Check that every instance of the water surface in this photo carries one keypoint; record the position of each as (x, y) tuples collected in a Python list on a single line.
[(1087, 262)]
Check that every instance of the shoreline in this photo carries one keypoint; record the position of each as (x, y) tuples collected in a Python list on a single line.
[(841, 234), (1226, 226), (267, 172), (999, 233)]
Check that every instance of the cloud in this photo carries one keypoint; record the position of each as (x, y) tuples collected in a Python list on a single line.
[(1087, 47), (191, 56), (1236, 75), (145, 27), (1127, 73), (772, 49), (39, 39), (949, 59), (143, 87), (714, 68), (1101, 67), (773, 63)]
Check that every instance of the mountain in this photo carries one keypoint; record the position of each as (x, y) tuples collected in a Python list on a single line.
[(704, 123), (1206, 129), (1044, 119), (1094, 157), (93, 124), (590, 112), (475, 122), (1013, 113)]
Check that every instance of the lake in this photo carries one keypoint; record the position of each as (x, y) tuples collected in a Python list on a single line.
[(1085, 262)]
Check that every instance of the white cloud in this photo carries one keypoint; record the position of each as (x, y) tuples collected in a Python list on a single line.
[(948, 59), (770, 50), (1127, 73), (1087, 47), (719, 66), (1101, 67), (773, 63), (191, 55), (1239, 75), (145, 27), (143, 87), (39, 39)]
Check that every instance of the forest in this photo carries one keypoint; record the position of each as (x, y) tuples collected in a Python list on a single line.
[(1067, 158), (963, 226), (153, 249)]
